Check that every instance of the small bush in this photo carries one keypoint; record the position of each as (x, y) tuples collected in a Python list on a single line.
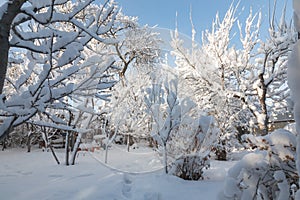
[(190, 167)]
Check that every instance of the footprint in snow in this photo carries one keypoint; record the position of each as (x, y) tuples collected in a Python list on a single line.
[(127, 186)]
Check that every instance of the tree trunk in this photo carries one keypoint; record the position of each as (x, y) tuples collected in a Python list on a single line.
[(262, 101), (72, 141), (13, 9), (53, 153), (48, 144), (75, 148), (128, 143), (106, 153), (67, 148), (165, 158), (28, 143), (4, 143)]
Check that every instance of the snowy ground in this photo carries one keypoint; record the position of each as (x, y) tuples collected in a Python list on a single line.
[(140, 160), (35, 175)]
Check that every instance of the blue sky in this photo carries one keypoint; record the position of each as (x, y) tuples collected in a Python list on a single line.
[(163, 12)]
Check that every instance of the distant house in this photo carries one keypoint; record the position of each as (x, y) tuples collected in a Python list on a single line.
[(280, 120)]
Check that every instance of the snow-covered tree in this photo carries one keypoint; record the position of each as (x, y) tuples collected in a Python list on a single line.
[(269, 81), (129, 107), (135, 54), (240, 86), (166, 111), (216, 76), (53, 35), (137, 46)]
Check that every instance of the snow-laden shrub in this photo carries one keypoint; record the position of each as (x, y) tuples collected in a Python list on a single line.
[(195, 134), (190, 167), (190, 146), (268, 173)]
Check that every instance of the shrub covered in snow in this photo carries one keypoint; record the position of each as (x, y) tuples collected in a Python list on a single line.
[(190, 167), (190, 147), (268, 173)]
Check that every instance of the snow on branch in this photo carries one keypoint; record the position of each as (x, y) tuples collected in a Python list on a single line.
[(57, 70)]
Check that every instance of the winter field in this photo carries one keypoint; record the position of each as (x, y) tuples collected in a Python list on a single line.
[(35, 175)]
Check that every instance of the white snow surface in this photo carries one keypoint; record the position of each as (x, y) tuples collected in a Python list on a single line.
[(35, 175)]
